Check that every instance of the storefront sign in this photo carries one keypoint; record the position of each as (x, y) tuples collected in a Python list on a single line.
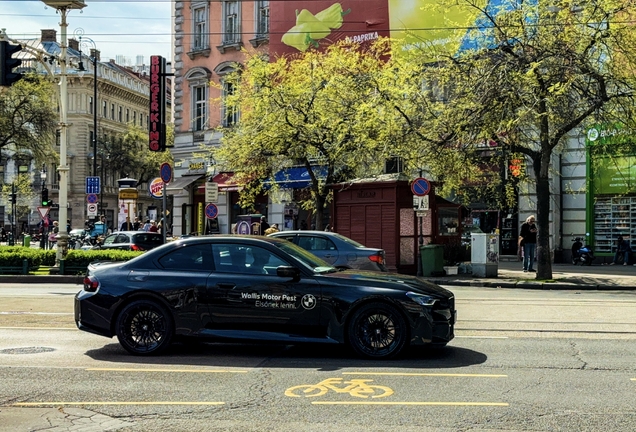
[(156, 117), (614, 174), (155, 188)]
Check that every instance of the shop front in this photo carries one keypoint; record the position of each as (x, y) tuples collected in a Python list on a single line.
[(611, 206)]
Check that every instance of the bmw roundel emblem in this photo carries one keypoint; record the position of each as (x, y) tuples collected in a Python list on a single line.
[(308, 301)]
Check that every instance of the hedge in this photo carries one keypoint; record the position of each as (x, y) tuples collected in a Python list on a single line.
[(12, 256)]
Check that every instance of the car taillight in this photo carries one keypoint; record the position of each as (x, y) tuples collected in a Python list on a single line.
[(135, 247), (377, 258), (91, 284)]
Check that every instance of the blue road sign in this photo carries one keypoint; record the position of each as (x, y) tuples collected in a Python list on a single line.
[(93, 185), (420, 186), (166, 172), (92, 198), (211, 211)]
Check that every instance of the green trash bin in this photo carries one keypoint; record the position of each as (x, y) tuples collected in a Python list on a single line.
[(26, 241), (432, 257)]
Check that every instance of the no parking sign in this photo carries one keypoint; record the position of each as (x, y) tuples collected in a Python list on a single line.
[(211, 211)]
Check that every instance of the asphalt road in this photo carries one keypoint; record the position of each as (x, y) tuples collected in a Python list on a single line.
[(521, 361)]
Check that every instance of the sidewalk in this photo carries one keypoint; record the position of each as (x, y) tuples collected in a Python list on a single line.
[(565, 277), (510, 275)]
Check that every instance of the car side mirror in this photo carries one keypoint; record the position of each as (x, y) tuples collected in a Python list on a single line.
[(288, 272)]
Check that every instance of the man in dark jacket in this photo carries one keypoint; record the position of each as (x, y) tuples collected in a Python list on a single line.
[(528, 240), (622, 247)]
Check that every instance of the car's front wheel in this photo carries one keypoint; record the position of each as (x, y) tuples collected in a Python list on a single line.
[(144, 327), (377, 330)]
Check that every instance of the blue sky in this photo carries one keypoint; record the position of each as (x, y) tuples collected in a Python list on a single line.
[(118, 27)]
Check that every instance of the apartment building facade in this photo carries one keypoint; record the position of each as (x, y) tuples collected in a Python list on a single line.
[(122, 99), (209, 37)]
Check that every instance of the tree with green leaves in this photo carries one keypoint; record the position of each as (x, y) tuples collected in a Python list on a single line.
[(23, 185), (317, 110), (531, 77), (128, 154), (28, 117)]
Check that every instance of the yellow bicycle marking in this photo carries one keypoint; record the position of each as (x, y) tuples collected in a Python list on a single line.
[(355, 387)]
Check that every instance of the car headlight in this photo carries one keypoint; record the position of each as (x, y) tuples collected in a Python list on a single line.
[(422, 299)]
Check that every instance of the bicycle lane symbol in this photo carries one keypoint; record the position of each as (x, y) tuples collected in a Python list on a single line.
[(355, 387)]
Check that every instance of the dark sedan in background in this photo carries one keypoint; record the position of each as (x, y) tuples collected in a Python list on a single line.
[(131, 240), (258, 289), (338, 250)]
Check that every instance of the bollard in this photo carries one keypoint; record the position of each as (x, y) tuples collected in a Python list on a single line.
[(62, 265), (25, 266)]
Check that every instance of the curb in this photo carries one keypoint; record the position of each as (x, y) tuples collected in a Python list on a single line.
[(44, 279), (508, 283)]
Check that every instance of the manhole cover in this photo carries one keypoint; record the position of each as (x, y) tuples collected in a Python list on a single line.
[(26, 350)]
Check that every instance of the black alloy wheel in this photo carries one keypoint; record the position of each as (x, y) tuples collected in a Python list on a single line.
[(144, 328), (377, 330)]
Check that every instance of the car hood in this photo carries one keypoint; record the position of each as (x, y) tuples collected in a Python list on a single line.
[(388, 280)]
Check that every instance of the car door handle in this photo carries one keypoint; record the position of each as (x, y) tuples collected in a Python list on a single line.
[(328, 256), (227, 285)]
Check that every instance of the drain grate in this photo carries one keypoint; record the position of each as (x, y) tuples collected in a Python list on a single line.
[(27, 350)]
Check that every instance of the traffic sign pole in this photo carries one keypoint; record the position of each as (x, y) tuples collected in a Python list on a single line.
[(165, 172)]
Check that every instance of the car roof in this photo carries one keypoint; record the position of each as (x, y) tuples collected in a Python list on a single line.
[(231, 238), (135, 232), (304, 232)]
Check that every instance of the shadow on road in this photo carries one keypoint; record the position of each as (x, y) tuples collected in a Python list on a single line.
[(322, 357)]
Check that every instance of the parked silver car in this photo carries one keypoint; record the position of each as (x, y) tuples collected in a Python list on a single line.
[(336, 249)]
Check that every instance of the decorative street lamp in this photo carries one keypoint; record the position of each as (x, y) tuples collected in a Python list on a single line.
[(63, 7), (85, 41), (44, 232)]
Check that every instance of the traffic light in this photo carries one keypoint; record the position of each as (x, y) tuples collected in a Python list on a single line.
[(8, 63), (14, 198), (45, 197)]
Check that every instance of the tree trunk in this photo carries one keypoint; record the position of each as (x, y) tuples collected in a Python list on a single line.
[(319, 209), (544, 259)]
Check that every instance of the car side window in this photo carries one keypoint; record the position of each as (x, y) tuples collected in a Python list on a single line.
[(121, 238), (188, 258), (322, 243), (312, 243), (287, 237), (109, 240), (244, 259)]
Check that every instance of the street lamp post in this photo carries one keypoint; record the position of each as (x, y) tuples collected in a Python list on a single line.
[(44, 232), (63, 7), (81, 68)]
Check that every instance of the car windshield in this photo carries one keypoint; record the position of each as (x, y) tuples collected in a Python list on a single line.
[(348, 240), (307, 258)]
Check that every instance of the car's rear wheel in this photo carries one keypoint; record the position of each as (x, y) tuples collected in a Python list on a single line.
[(144, 327), (377, 330)]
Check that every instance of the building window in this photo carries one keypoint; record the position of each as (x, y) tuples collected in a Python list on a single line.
[(55, 177), (262, 18), (141, 119), (104, 109), (91, 138), (135, 118), (58, 137), (112, 111), (127, 115), (200, 28), (231, 24), (90, 104), (229, 116), (199, 107), (119, 115)]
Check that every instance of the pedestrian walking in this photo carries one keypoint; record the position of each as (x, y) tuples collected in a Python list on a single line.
[(528, 240), (264, 225), (622, 248), (53, 234)]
